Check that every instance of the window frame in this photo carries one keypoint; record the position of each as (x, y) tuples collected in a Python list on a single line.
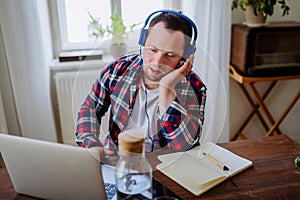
[(59, 28)]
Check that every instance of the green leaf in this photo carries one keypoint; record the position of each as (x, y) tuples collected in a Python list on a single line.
[(256, 8), (297, 162), (244, 4), (234, 4)]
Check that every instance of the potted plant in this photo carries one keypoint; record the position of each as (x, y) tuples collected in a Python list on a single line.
[(297, 159), (116, 29), (259, 9)]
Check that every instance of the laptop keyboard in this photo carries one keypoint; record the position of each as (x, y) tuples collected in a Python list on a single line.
[(110, 189)]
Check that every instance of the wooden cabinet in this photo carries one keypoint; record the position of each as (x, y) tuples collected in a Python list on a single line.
[(270, 50)]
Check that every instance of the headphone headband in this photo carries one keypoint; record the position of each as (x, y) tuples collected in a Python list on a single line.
[(190, 49)]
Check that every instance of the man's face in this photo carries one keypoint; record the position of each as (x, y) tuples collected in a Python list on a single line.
[(162, 52)]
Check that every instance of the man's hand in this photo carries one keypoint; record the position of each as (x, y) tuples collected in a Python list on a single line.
[(167, 84), (100, 152), (171, 79)]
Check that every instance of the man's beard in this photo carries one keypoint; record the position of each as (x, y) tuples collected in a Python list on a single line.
[(152, 78)]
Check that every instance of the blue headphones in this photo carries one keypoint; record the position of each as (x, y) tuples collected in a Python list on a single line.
[(192, 46)]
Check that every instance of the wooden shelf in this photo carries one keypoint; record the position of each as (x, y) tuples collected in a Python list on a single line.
[(248, 79)]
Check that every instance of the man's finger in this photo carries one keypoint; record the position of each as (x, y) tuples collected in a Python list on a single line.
[(109, 152)]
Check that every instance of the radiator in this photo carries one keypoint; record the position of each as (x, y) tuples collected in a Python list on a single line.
[(72, 88)]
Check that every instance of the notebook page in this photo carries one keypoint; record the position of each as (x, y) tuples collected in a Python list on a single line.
[(190, 170)]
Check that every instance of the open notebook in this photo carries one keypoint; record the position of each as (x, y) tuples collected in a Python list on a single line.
[(198, 173), (55, 171)]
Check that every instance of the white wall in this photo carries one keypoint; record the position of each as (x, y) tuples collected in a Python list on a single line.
[(276, 101)]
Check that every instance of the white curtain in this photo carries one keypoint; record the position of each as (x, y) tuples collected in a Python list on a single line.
[(3, 125), (27, 40), (213, 19)]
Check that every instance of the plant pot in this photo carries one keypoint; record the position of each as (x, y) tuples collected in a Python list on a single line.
[(252, 19), (118, 50)]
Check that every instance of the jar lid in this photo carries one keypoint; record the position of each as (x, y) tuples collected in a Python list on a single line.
[(131, 142)]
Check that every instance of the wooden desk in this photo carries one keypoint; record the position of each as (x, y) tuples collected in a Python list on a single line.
[(249, 82), (273, 175)]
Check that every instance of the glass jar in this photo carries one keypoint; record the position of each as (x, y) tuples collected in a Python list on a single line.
[(133, 172)]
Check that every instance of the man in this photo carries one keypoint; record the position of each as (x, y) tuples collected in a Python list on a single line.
[(154, 92)]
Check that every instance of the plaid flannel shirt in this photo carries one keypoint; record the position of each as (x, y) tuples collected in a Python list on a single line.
[(116, 88)]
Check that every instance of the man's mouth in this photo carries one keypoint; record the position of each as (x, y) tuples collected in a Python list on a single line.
[(155, 71)]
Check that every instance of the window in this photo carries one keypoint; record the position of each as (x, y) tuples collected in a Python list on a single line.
[(72, 19)]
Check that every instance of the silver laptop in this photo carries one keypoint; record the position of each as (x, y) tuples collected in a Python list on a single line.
[(51, 170)]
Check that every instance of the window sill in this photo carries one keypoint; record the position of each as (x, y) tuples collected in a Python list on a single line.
[(55, 65)]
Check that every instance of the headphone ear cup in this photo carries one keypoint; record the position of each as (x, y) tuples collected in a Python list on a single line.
[(189, 50), (143, 36)]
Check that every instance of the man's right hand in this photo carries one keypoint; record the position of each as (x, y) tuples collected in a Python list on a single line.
[(100, 152)]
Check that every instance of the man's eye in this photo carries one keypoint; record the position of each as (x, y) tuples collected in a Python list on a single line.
[(171, 56), (153, 50)]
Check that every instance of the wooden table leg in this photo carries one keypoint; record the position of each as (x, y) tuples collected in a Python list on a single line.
[(283, 115), (264, 107), (255, 110)]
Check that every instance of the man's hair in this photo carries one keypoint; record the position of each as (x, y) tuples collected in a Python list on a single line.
[(175, 23)]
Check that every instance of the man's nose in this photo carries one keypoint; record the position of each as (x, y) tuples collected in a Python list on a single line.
[(158, 59)]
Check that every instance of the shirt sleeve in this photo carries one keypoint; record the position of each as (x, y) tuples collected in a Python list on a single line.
[(92, 109), (182, 122)]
